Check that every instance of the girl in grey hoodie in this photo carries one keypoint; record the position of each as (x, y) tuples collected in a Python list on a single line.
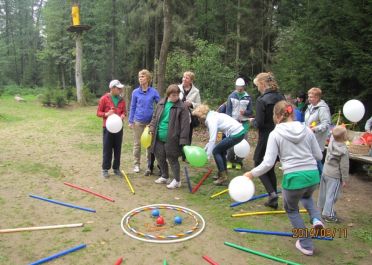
[(298, 150)]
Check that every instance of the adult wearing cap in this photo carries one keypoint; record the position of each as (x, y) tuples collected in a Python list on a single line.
[(144, 99), (238, 106), (111, 103)]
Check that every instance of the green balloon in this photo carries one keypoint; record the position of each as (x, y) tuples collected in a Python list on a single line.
[(196, 155)]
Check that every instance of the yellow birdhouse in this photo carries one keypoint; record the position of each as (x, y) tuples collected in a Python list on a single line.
[(75, 13)]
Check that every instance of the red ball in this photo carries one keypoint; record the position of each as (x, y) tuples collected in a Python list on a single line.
[(160, 220)]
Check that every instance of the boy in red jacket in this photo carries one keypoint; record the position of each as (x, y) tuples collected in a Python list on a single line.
[(112, 103)]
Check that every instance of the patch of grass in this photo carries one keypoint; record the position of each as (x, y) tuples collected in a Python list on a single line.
[(5, 117), (26, 167), (86, 229), (363, 234), (4, 259), (2, 201), (90, 147)]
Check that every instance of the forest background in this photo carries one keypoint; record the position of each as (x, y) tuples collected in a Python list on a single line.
[(305, 43)]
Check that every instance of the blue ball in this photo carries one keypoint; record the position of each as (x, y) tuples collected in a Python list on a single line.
[(178, 220), (155, 213)]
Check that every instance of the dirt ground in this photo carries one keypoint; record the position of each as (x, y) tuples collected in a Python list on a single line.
[(42, 148)]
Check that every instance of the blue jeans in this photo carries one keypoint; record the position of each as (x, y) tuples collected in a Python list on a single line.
[(319, 164), (220, 150)]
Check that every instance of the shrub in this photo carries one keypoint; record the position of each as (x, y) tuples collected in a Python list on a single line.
[(59, 99)]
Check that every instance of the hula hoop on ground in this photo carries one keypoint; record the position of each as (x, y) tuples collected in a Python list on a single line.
[(163, 239)]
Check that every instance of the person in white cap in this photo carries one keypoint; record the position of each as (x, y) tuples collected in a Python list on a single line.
[(239, 106), (112, 103)]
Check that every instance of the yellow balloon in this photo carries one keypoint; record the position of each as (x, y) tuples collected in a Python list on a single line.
[(146, 138)]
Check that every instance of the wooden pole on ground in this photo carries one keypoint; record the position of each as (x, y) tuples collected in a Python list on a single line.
[(35, 228)]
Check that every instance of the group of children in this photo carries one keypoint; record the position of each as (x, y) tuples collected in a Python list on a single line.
[(282, 137)]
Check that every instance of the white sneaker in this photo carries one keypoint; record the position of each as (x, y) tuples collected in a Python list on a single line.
[(174, 184), (161, 180), (136, 169)]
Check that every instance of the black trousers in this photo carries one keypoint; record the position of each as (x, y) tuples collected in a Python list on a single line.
[(111, 144), (268, 179)]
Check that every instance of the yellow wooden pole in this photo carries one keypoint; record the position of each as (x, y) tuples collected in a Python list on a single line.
[(219, 193), (263, 213), (128, 181)]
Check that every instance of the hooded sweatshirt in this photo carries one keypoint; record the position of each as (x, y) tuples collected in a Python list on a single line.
[(336, 164), (296, 146), (321, 115)]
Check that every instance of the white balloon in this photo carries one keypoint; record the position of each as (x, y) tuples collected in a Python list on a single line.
[(354, 110), (241, 189), (114, 123), (242, 149)]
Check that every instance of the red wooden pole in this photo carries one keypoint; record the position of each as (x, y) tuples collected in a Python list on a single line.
[(195, 189), (89, 191), (209, 260)]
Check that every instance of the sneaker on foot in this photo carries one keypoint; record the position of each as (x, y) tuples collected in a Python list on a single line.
[(136, 169), (303, 250), (118, 173), (148, 172), (229, 165), (174, 184), (272, 202), (317, 224), (105, 173), (238, 166), (221, 181), (161, 180), (330, 219)]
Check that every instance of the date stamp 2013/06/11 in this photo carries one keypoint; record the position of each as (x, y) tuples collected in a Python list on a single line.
[(323, 232)]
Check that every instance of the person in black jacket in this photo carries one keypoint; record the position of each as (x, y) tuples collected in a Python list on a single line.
[(268, 87)]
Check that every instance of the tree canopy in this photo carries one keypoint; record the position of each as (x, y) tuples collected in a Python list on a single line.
[(304, 43)]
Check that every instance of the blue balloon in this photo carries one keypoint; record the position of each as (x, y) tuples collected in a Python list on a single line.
[(178, 220)]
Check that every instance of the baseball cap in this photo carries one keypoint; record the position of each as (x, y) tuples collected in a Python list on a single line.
[(116, 83)]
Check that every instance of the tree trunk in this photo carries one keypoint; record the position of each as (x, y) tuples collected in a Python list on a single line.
[(113, 40), (165, 45), (78, 72), (268, 33), (237, 51), (63, 78), (156, 51)]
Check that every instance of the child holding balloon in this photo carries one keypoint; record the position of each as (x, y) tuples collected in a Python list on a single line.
[(109, 104), (298, 150)]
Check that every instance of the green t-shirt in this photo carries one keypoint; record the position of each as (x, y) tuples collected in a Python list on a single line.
[(164, 121), (115, 99), (300, 179), (240, 95), (244, 131)]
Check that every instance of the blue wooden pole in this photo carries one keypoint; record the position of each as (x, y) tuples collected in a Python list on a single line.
[(59, 254), (188, 179), (252, 199), (62, 203), (275, 233)]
